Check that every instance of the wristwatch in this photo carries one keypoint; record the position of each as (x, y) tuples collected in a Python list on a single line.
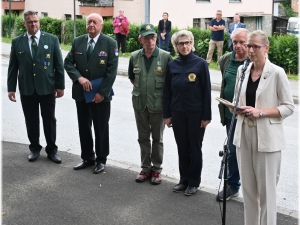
[(260, 113)]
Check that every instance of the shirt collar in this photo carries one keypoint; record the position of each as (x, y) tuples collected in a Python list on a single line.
[(95, 38), (154, 53), (37, 35)]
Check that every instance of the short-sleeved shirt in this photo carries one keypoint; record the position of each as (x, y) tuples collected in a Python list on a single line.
[(217, 35)]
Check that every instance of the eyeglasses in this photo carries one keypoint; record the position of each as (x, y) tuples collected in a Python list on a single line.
[(187, 43), (32, 22), (255, 47)]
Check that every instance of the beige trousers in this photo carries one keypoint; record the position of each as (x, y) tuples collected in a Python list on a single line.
[(212, 46), (259, 172)]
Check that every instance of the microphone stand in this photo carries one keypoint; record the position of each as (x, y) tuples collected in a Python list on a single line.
[(224, 162)]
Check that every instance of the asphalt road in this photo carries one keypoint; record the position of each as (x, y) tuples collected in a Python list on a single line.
[(124, 150)]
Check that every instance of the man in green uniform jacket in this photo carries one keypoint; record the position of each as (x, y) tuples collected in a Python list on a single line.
[(147, 69), (36, 64), (93, 55)]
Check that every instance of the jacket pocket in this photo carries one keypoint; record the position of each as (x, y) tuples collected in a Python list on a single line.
[(136, 98), (159, 82), (275, 120), (51, 75)]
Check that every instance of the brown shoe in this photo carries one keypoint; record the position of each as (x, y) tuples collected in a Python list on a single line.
[(142, 176)]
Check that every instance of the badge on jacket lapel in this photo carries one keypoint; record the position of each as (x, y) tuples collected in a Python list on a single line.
[(45, 46), (102, 62), (47, 56), (192, 77), (159, 70)]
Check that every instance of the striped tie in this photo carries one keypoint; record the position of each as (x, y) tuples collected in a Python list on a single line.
[(90, 49), (33, 46)]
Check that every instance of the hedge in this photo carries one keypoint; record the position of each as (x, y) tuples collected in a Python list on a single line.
[(283, 49)]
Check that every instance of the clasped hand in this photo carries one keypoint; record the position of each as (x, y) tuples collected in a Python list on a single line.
[(248, 111)]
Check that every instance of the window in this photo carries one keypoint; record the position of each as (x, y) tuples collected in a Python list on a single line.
[(196, 22), (202, 0), (68, 16), (79, 17), (44, 14), (235, 1)]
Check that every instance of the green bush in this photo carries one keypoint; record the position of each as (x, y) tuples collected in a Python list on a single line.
[(68, 30), (52, 26), (284, 52), (283, 49), (5, 24)]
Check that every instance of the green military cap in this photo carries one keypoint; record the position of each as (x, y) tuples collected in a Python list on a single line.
[(147, 29)]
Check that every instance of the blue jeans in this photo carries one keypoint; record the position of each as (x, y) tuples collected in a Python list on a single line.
[(233, 169), (167, 40)]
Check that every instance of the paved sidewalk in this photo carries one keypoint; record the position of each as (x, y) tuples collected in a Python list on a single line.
[(45, 193)]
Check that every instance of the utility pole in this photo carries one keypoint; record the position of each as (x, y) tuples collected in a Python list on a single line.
[(74, 19), (9, 19), (147, 11)]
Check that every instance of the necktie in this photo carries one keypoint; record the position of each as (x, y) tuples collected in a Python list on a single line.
[(90, 49), (33, 46)]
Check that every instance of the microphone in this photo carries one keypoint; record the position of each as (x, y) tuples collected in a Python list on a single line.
[(246, 64)]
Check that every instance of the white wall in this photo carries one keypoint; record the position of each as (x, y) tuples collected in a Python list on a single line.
[(134, 10)]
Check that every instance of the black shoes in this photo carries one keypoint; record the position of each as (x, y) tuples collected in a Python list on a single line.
[(99, 168), (33, 156), (190, 190), (84, 164), (179, 188), (230, 193), (54, 157)]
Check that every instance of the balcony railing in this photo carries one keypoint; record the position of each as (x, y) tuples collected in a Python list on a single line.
[(13, 0), (97, 3)]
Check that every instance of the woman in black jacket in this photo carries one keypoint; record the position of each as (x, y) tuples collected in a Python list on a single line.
[(187, 108), (164, 28)]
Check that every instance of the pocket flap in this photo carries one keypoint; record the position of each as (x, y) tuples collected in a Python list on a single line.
[(158, 95), (51, 74), (276, 120), (159, 79), (135, 92)]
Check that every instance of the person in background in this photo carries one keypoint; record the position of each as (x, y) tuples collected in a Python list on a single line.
[(187, 108), (146, 71), (229, 64), (93, 55), (121, 30), (164, 29), (36, 63), (232, 26), (217, 27), (266, 100)]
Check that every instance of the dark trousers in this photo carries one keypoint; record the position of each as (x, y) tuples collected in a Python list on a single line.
[(98, 114), (189, 137), (30, 105), (233, 169), (121, 40)]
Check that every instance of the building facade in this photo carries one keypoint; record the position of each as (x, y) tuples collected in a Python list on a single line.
[(256, 14)]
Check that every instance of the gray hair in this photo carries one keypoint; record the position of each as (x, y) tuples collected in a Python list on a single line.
[(238, 31), (29, 13), (261, 35), (179, 34), (95, 14)]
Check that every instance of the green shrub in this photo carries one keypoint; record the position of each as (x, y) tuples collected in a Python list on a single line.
[(284, 52), (5, 24), (283, 49), (52, 26)]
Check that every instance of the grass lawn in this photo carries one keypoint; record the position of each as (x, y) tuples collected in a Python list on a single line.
[(212, 65)]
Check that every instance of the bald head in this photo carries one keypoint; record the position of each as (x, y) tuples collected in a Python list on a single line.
[(94, 24)]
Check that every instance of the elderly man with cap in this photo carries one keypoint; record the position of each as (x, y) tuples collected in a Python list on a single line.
[(146, 71)]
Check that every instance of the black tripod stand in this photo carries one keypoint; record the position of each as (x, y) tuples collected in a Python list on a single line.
[(225, 153)]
